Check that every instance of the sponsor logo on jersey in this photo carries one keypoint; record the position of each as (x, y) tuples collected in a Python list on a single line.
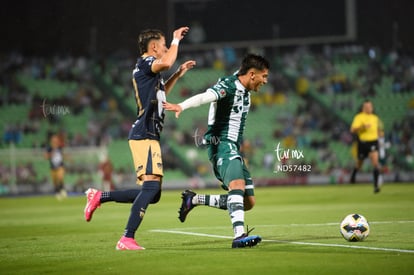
[(222, 93)]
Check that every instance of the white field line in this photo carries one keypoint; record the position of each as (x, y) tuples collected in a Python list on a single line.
[(290, 225), (176, 231), (191, 233)]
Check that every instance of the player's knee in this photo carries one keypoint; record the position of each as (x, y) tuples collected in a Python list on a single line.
[(238, 184), (156, 198), (153, 190)]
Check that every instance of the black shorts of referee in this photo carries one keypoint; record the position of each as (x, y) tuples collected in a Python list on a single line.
[(366, 147)]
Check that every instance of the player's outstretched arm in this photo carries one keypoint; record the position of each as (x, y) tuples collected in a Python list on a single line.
[(169, 84), (194, 101)]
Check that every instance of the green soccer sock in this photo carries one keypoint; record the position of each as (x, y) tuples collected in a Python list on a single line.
[(235, 206)]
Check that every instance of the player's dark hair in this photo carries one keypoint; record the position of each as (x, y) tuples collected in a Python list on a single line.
[(253, 61), (146, 36)]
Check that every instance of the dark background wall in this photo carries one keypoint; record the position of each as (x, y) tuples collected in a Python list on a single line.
[(81, 27), (68, 26)]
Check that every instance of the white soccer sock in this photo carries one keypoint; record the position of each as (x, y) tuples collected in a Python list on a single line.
[(235, 206), (199, 199)]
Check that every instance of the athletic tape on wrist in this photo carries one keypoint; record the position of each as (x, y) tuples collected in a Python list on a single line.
[(175, 41)]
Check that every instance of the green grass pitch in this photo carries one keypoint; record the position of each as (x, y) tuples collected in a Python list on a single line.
[(299, 226)]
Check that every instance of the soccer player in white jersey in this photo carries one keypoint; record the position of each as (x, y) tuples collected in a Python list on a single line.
[(144, 136), (229, 105)]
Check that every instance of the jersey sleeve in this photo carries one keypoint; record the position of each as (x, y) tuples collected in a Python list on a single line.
[(145, 66), (219, 89), (356, 122), (199, 99)]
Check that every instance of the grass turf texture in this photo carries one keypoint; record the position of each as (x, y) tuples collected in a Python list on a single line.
[(299, 226)]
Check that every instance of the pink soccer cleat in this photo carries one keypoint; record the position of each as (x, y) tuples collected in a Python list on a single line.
[(128, 244), (93, 197)]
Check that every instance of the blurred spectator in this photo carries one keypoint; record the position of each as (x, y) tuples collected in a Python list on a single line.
[(295, 69), (12, 134), (54, 153), (106, 170)]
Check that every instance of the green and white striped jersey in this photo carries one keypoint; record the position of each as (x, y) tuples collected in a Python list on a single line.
[(227, 115)]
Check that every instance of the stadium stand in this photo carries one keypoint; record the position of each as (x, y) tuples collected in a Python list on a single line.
[(308, 104)]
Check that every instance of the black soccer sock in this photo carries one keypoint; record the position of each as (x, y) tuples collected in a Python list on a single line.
[(376, 176), (150, 189), (353, 175), (58, 187), (124, 196)]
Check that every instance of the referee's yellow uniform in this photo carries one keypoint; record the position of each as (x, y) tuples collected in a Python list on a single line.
[(369, 126), (366, 126)]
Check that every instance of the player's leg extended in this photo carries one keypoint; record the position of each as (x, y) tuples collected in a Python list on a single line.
[(94, 199), (216, 201), (190, 199), (220, 201)]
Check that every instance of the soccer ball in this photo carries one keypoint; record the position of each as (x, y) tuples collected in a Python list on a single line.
[(354, 228)]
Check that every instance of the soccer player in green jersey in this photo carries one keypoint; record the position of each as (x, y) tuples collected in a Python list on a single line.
[(229, 105)]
